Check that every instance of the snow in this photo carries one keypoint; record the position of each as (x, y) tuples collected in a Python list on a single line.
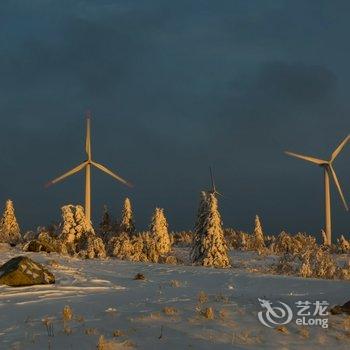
[(105, 298)]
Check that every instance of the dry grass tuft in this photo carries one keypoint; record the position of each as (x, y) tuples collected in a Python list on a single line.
[(91, 331), (202, 297), (223, 313), (221, 298), (282, 329), (208, 313), (170, 310), (79, 318), (183, 238), (53, 263), (304, 332), (321, 339), (67, 313), (175, 284), (48, 323), (245, 338), (118, 333), (104, 344), (346, 323)]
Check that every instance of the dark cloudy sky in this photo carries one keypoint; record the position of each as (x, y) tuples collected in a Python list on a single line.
[(173, 87)]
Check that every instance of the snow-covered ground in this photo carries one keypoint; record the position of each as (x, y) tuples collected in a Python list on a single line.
[(105, 299)]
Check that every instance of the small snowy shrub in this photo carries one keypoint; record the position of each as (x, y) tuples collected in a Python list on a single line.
[(9, 228), (159, 232), (258, 242), (90, 246), (343, 245), (182, 238), (315, 262)]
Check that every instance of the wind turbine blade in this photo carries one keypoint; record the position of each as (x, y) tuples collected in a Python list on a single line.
[(335, 178), (340, 147), (69, 173), (307, 158), (109, 172), (88, 136)]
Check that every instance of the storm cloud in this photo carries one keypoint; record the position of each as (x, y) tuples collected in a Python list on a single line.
[(174, 87)]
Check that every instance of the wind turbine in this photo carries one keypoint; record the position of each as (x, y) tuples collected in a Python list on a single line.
[(329, 172), (87, 164), (213, 187)]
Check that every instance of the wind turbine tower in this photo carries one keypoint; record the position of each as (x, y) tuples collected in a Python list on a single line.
[(87, 164), (329, 172)]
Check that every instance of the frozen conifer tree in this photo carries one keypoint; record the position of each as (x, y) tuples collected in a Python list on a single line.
[(198, 227), (9, 228), (343, 245), (68, 224), (324, 238), (258, 233), (78, 235), (159, 232), (82, 225), (74, 223), (106, 225), (127, 224), (202, 211), (210, 248)]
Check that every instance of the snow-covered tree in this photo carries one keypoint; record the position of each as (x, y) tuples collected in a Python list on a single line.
[(258, 234), (343, 245), (210, 248), (200, 221), (202, 210), (159, 231), (127, 223), (106, 223), (9, 228), (74, 223), (324, 238), (78, 234)]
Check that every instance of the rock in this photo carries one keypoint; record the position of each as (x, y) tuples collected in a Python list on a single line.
[(139, 276), (337, 309), (37, 246), (46, 243), (346, 307), (22, 271)]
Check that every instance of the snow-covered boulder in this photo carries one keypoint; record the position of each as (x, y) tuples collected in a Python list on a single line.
[(22, 271), (47, 243)]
